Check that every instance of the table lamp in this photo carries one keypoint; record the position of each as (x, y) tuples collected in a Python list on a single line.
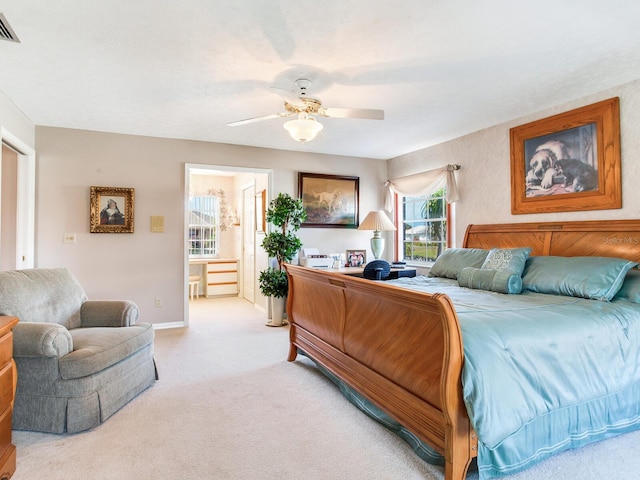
[(377, 221)]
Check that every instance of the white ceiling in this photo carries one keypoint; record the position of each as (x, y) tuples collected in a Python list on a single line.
[(438, 68)]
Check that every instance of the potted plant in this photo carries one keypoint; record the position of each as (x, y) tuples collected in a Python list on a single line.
[(287, 214)]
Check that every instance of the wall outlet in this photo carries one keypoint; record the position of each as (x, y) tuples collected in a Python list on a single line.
[(158, 302)]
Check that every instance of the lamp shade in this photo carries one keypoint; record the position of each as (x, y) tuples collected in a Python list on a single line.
[(377, 220), (304, 129)]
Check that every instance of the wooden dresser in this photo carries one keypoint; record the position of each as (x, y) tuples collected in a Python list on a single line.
[(8, 379)]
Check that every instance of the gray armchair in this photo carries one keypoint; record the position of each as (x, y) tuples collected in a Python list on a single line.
[(79, 361)]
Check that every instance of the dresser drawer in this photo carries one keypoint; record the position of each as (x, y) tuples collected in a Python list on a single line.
[(230, 289), (221, 278), (6, 386), (7, 449), (6, 348), (222, 267)]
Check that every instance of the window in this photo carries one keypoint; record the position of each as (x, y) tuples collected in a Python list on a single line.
[(204, 228), (424, 227)]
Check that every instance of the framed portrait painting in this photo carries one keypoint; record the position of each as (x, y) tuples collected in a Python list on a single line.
[(111, 210), (568, 162), (329, 200)]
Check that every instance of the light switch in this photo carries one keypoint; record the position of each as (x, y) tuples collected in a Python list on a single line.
[(69, 238)]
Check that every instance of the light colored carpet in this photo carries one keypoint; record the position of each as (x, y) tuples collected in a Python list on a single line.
[(229, 406)]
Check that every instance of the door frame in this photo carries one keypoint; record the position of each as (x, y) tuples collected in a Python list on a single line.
[(242, 267), (25, 201), (188, 167)]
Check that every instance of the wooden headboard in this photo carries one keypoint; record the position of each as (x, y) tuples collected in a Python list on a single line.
[(600, 238)]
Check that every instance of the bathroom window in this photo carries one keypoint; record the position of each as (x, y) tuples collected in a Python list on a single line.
[(204, 226)]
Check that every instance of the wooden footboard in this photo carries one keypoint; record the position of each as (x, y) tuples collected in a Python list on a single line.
[(403, 350), (400, 349)]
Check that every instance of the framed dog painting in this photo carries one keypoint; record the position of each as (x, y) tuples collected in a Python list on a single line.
[(568, 162)]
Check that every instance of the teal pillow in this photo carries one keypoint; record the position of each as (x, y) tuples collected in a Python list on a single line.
[(453, 260), (512, 259), (501, 281), (598, 278), (630, 289)]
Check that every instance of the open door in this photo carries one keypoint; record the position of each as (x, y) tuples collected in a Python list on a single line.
[(17, 204), (248, 243)]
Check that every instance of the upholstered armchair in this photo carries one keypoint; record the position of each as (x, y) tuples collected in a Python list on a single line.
[(79, 361)]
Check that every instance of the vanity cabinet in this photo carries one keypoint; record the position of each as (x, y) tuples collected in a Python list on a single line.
[(222, 277)]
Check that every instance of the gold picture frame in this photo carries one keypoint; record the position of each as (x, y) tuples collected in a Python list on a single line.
[(568, 162), (111, 210)]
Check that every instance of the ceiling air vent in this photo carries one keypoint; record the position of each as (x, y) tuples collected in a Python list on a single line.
[(6, 32)]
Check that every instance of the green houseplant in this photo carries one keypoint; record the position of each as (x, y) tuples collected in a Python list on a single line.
[(286, 214)]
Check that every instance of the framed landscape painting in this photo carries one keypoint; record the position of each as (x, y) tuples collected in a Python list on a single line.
[(329, 200), (568, 162)]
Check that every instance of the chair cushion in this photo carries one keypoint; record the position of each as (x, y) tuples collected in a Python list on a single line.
[(51, 295), (97, 348)]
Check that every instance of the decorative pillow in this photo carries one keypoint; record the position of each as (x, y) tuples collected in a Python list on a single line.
[(452, 260), (501, 281), (598, 278), (630, 289), (512, 259)]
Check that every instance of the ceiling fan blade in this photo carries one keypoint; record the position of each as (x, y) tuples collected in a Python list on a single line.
[(258, 119), (365, 113), (289, 96)]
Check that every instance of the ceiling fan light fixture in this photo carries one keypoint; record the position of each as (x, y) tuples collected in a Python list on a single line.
[(304, 129)]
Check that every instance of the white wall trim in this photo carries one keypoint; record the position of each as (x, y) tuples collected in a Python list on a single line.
[(167, 325)]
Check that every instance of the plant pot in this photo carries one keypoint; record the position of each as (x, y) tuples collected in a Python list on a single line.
[(278, 305)]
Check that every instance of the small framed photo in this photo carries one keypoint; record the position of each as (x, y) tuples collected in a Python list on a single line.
[(356, 258), (111, 210)]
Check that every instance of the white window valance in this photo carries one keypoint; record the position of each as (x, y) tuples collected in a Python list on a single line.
[(423, 183)]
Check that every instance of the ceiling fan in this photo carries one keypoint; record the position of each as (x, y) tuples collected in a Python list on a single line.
[(298, 102)]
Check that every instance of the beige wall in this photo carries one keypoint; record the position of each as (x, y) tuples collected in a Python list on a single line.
[(143, 266), (484, 179)]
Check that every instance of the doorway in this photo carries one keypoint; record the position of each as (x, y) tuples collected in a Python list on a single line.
[(236, 190), (17, 203), (248, 242)]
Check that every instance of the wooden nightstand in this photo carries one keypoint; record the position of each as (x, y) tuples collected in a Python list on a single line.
[(8, 381)]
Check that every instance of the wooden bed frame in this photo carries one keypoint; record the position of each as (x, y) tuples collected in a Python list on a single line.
[(403, 349)]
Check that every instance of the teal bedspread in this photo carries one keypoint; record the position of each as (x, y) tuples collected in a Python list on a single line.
[(543, 373)]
